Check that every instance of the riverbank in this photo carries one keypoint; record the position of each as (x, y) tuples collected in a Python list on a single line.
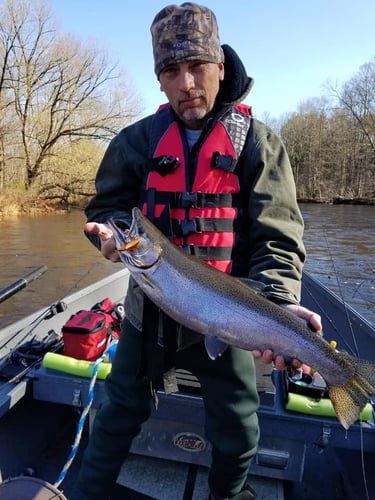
[(16, 203), (341, 201)]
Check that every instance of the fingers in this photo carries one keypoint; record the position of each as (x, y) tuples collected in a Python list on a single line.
[(107, 241), (102, 230), (268, 357), (314, 320)]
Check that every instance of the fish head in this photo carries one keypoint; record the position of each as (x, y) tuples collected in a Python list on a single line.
[(136, 249)]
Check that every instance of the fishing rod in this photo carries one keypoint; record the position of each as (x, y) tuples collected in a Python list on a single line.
[(53, 345), (50, 343), (51, 310), (320, 308), (346, 309), (341, 292), (48, 312), (21, 283)]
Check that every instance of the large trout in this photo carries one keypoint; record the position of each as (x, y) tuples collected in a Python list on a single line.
[(222, 307)]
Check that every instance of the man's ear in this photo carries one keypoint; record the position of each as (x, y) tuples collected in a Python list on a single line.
[(221, 71)]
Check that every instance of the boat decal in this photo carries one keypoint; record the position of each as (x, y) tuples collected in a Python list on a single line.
[(189, 441)]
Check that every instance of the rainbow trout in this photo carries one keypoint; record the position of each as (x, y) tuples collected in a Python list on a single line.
[(222, 307)]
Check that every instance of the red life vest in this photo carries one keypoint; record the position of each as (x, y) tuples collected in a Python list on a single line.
[(201, 211)]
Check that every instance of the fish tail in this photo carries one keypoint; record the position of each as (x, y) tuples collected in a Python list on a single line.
[(349, 399)]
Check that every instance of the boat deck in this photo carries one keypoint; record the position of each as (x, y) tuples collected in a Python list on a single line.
[(50, 434), (299, 455), (49, 444)]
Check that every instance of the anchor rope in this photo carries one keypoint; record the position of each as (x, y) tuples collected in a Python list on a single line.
[(80, 426)]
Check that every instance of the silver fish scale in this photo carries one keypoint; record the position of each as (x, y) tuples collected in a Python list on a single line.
[(212, 303)]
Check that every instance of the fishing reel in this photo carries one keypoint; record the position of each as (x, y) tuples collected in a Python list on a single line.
[(307, 382)]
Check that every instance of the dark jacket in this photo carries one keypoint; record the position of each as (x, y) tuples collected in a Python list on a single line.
[(271, 249)]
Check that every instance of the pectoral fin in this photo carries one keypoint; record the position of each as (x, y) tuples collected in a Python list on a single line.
[(214, 347)]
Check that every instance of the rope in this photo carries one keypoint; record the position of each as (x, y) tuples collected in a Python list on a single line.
[(81, 422)]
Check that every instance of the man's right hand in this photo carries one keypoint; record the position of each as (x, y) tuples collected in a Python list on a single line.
[(107, 241)]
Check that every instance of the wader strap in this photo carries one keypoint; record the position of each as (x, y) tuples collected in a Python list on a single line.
[(151, 204), (159, 343)]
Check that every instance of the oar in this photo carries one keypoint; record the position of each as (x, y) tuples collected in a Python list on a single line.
[(19, 284)]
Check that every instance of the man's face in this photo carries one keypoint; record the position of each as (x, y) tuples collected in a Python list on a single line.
[(191, 88)]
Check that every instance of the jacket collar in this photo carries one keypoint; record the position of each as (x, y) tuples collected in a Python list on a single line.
[(236, 84)]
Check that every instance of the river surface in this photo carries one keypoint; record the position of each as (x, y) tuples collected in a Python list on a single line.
[(340, 242)]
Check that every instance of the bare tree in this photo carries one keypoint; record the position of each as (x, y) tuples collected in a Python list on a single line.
[(356, 99), (60, 89), (357, 96), (304, 137), (331, 155)]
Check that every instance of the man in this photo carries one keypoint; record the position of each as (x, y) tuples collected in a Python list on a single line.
[(218, 183)]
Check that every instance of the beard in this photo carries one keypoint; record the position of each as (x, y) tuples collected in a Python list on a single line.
[(194, 117)]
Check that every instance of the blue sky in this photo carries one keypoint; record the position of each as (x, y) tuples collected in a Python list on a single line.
[(290, 47)]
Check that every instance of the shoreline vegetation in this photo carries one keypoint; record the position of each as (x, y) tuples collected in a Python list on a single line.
[(341, 201), (15, 203)]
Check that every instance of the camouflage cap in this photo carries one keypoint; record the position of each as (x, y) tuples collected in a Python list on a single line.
[(185, 33)]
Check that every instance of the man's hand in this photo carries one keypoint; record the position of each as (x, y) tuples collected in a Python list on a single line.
[(107, 241), (314, 321)]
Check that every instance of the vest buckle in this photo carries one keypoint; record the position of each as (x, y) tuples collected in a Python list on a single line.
[(225, 162), (190, 226), (165, 164), (189, 200)]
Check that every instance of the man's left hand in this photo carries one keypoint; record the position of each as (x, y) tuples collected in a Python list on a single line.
[(314, 321)]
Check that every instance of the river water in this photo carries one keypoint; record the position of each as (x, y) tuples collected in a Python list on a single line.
[(340, 242)]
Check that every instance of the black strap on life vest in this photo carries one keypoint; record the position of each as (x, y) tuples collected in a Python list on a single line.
[(198, 225), (192, 200), (209, 253)]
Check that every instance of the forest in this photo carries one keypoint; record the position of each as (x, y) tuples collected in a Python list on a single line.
[(62, 100)]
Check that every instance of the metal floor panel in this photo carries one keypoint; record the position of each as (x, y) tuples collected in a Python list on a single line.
[(169, 480)]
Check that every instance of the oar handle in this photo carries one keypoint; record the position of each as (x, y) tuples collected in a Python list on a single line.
[(19, 284)]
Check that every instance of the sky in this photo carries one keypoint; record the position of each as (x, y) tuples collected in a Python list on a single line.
[(290, 47)]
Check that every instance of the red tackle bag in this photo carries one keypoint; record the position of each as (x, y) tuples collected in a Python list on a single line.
[(87, 333)]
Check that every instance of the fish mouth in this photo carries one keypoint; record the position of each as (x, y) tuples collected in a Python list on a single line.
[(130, 246), (134, 246)]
